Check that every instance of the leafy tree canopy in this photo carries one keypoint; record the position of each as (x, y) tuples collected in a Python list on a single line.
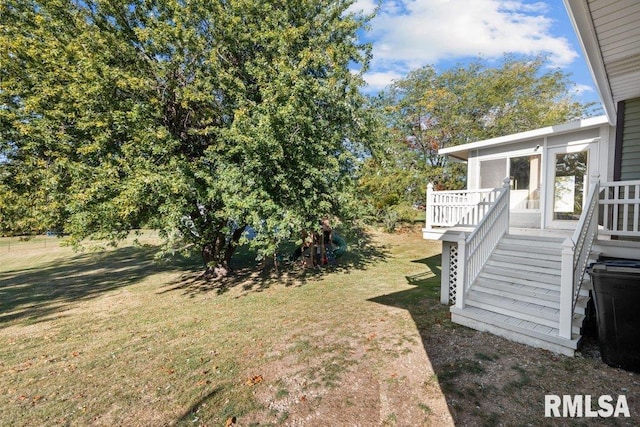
[(196, 117), (428, 110)]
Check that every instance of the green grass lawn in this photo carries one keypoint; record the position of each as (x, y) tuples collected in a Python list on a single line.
[(115, 338)]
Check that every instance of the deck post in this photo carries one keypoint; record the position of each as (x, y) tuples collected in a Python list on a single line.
[(460, 279), (429, 206), (566, 290), (506, 185)]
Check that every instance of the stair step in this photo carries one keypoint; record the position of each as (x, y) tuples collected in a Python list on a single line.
[(514, 275), (581, 304), (538, 237), (554, 243), (576, 322), (528, 294), (510, 307), (520, 267), (517, 294), (586, 284), (521, 292), (524, 249), (526, 332), (529, 241), (525, 252), (553, 265), (531, 312)]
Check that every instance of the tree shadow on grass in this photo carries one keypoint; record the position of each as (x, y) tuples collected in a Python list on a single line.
[(251, 276), (35, 293), (443, 342), (191, 415), (432, 319), (422, 300), (487, 380)]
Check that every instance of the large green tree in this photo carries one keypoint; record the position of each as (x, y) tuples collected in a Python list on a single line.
[(429, 110), (195, 117)]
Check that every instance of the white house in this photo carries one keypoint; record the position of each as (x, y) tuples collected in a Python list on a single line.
[(542, 204)]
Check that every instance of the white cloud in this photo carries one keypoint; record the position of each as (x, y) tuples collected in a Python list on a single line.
[(407, 34), (363, 6), (379, 80), (580, 89)]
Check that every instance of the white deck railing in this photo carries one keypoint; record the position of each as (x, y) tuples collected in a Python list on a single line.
[(488, 211), (621, 208), (474, 251), (458, 207), (575, 258)]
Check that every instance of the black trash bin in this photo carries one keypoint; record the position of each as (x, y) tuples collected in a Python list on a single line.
[(616, 293)]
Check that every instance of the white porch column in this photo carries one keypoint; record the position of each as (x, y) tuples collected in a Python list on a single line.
[(429, 206), (506, 186), (595, 179)]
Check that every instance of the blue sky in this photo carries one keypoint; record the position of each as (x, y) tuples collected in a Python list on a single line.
[(407, 34)]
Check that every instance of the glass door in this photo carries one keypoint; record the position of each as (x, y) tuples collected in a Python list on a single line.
[(567, 185)]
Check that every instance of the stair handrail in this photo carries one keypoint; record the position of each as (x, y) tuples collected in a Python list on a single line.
[(474, 251), (575, 257)]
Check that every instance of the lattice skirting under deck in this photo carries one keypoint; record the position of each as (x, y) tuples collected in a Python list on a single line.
[(453, 272)]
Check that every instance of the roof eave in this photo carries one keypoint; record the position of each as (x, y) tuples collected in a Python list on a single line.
[(580, 17), (462, 151)]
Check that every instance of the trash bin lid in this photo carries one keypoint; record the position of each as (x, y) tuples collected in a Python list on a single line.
[(620, 262), (616, 266)]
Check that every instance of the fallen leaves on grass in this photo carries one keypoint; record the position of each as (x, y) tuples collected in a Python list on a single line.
[(230, 421), (254, 380)]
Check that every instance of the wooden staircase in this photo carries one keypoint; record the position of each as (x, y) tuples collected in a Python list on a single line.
[(517, 295)]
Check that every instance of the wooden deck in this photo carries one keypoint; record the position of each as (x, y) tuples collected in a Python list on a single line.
[(451, 234), (527, 284)]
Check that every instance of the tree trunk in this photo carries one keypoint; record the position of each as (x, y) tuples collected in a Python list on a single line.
[(217, 255)]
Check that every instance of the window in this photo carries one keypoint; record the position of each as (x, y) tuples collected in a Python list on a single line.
[(525, 182), (570, 183), (492, 172), (524, 173), (520, 173)]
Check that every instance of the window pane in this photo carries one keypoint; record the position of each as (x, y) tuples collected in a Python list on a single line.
[(525, 182), (520, 172), (569, 185), (492, 172)]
